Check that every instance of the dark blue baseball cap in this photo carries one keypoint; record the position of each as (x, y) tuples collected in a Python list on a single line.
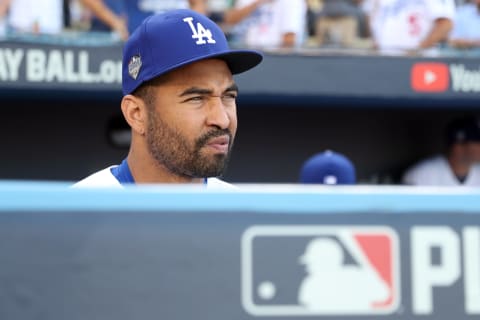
[(172, 39), (462, 130), (328, 167)]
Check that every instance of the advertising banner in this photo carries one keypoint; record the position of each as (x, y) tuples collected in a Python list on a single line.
[(26, 65)]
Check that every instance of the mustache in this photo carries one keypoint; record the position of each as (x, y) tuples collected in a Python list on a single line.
[(212, 134)]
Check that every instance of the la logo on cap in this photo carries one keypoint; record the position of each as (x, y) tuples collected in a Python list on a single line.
[(200, 32)]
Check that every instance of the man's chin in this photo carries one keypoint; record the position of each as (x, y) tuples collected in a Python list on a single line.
[(213, 166)]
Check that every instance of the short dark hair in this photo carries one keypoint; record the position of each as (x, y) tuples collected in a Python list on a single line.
[(145, 90)]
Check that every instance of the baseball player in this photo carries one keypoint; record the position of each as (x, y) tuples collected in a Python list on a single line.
[(179, 100), (328, 167), (460, 166)]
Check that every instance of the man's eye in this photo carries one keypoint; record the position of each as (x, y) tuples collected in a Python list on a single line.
[(230, 96), (196, 98)]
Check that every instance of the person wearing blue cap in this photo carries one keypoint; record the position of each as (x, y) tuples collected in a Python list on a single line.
[(328, 167), (459, 165), (179, 100)]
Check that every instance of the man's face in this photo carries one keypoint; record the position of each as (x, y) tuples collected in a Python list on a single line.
[(192, 124)]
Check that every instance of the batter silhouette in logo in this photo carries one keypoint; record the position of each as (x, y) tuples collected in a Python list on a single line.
[(332, 285)]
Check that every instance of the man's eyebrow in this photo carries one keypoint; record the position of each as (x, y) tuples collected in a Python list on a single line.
[(196, 90), (233, 87)]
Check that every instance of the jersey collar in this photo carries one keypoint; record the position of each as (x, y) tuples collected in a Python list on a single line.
[(123, 174)]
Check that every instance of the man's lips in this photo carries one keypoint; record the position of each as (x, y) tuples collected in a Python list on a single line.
[(220, 144)]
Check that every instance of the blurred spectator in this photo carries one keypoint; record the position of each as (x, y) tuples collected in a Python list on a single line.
[(273, 24), (34, 16), (228, 15), (80, 18), (313, 9), (108, 16), (338, 22), (460, 165), (123, 16), (409, 26), (328, 167), (466, 31), (217, 8), (4, 4)]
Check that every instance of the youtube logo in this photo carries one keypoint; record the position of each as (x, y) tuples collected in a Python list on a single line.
[(430, 77)]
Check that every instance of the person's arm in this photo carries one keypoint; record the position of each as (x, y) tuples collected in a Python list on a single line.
[(235, 15), (463, 43), (107, 16), (439, 32), (4, 5)]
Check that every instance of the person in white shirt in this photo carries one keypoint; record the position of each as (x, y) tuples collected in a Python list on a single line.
[(273, 24), (179, 100), (460, 166), (409, 26), (466, 30), (39, 16)]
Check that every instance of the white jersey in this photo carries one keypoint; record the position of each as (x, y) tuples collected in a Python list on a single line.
[(44, 16), (105, 178), (436, 171), (403, 24), (266, 26)]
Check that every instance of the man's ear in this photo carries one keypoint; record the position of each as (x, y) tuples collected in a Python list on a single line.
[(134, 112)]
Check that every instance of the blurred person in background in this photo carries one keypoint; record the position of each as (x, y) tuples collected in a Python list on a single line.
[(339, 22), (34, 16), (124, 16), (80, 18), (3, 13), (466, 31), (328, 167), (459, 165), (273, 24), (227, 15), (409, 26), (108, 16)]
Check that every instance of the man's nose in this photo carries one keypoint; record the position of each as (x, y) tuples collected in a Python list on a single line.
[(218, 114)]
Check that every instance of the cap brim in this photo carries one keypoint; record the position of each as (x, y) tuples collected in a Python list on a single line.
[(240, 60)]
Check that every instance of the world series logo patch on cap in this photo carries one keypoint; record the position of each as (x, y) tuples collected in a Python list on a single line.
[(134, 66)]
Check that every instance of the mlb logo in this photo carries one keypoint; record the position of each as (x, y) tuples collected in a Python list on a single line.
[(320, 270)]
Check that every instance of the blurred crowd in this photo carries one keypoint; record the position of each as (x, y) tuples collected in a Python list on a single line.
[(383, 26)]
